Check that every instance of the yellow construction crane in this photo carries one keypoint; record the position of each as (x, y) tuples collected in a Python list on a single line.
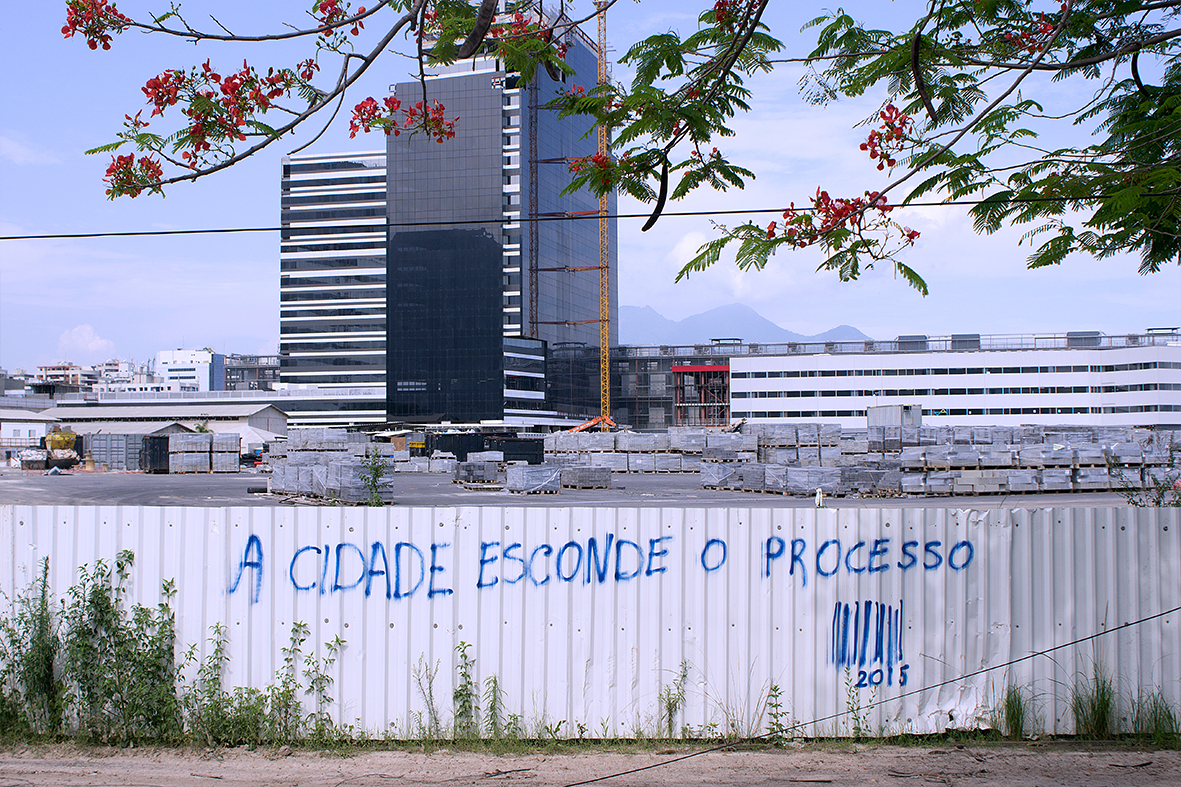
[(604, 247)]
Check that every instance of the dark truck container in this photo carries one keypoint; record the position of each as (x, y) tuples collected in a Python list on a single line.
[(153, 456)]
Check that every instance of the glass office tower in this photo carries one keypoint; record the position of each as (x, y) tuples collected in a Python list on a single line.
[(332, 279), (486, 320)]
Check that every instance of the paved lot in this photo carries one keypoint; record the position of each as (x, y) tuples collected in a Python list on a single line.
[(18, 487)]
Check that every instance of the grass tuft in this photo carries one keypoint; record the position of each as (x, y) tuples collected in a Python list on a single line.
[(1093, 704)]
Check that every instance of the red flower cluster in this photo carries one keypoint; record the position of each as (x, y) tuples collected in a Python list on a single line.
[(802, 228), (522, 27), (596, 161), (888, 138), (128, 176), (307, 68), (218, 107), (95, 19), (1033, 41), (726, 11), (330, 12), (432, 120), (369, 114), (164, 90)]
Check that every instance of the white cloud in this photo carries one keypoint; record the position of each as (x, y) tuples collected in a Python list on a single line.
[(18, 153), (82, 345)]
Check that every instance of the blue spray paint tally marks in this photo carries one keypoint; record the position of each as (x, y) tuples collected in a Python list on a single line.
[(867, 636), (251, 559)]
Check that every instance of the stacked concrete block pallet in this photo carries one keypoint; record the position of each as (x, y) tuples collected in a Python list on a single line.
[(585, 478), (678, 451), (476, 472), (326, 462), (533, 479), (189, 453), (226, 453)]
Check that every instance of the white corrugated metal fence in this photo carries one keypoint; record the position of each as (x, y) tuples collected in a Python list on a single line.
[(584, 614)]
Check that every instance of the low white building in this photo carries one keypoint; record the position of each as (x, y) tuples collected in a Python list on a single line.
[(1077, 378), (22, 428)]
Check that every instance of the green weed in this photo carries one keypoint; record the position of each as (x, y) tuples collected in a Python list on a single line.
[(672, 699), (375, 467), (465, 696), (32, 696), (120, 667), (1154, 719), (778, 732), (426, 725), (1016, 718), (1093, 704)]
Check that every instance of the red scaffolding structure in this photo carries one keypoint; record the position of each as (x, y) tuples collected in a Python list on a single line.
[(701, 395)]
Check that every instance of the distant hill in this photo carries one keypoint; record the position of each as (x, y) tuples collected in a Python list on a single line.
[(644, 325)]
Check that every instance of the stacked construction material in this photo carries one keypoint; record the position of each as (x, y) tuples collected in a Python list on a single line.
[(534, 479), (730, 447), (226, 452), (801, 480), (189, 453), (328, 463), (585, 478), (476, 472), (721, 475), (884, 460)]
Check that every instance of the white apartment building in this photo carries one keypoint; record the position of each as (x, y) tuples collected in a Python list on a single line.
[(191, 370), (1075, 378)]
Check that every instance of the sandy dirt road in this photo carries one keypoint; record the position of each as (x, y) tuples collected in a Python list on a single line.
[(977, 766)]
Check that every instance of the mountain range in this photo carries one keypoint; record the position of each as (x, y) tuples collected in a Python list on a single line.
[(643, 325)]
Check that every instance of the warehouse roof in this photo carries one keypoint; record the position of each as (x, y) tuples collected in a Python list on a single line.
[(160, 412), (127, 427), (12, 414)]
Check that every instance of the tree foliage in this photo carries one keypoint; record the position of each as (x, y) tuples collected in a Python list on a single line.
[(963, 90)]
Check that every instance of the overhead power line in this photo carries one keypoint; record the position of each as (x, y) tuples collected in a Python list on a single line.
[(875, 703), (569, 217)]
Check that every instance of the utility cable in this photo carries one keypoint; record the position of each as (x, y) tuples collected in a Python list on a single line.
[(876, 703), (592, 216)]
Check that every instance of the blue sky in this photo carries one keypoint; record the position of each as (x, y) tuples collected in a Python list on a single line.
[(90, 299)]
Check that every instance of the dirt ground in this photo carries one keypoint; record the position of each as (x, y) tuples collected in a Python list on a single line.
[(978, 766)]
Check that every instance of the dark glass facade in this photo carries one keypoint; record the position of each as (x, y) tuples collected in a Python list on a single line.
[(462, 344), (445, 338)]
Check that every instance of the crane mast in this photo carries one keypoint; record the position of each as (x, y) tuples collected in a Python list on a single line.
[(604, 245)]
